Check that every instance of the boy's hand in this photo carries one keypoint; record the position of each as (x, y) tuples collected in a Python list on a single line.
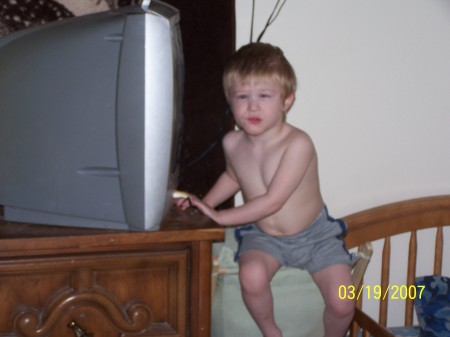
[(204, 208), (182, 199), (185, 200)]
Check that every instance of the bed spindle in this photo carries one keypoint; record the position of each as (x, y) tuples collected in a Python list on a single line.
[(410, 277), (438, 250), (385, 268)]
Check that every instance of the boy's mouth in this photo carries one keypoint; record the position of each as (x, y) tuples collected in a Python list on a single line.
[(254, 120)]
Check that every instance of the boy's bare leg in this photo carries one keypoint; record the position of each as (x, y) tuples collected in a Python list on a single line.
[(256, 270), (338, 312)]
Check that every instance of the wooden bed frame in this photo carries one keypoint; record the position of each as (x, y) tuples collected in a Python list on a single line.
[(384, 222)]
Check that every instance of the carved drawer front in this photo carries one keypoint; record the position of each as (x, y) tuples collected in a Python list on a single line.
[(107, 295)]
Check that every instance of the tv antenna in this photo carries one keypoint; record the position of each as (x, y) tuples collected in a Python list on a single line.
[(275, 12)]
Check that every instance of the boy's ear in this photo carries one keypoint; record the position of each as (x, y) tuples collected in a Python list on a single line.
[(288, 101)]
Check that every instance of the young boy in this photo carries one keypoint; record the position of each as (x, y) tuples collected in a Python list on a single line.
[(274, 165)]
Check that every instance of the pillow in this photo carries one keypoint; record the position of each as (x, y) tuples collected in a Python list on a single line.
[(433, 305)]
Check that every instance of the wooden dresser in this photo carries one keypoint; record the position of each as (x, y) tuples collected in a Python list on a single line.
[(111, 283)]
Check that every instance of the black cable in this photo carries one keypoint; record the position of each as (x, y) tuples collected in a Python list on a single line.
[(272, 18), (252, 21), (217, 140)]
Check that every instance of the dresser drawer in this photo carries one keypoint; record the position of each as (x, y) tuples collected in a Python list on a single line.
[(138, 293)]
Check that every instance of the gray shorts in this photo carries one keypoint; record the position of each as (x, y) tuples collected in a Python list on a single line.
[(319, 246)]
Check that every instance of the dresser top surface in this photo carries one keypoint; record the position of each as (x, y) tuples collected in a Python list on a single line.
[(177, 227)]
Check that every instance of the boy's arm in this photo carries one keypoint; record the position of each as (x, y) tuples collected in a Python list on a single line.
[(290, 173), (227, 185), (224, 188)]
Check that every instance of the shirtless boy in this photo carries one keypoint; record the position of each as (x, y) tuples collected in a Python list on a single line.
[(274, 165)]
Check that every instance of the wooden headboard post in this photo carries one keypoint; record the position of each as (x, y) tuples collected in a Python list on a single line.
[(384, 222)]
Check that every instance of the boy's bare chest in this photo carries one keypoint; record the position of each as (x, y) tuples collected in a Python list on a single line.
[(256, 169)]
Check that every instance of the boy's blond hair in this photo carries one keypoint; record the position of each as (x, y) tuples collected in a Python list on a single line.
[(259, 61)]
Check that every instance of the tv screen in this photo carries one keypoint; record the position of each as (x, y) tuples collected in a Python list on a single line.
[(89, 119)]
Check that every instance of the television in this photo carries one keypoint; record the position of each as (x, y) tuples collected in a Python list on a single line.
[(90, 112)]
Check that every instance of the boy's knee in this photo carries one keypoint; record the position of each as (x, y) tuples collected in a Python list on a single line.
[(253, 278), (341, 308)]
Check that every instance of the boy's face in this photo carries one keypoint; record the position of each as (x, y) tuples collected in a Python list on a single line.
[(258, 105)]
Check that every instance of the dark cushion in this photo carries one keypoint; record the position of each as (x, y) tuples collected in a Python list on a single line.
[(432, 304)]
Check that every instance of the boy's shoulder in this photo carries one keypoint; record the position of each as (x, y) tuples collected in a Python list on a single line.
[(298, 135), (232, 138)]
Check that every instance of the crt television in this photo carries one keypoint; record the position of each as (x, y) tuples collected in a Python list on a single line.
[(89, 119)]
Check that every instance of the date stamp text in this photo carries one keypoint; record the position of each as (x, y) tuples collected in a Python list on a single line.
[(376, 292)]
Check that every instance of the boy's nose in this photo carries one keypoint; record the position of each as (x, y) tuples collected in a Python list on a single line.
[(253, 105)]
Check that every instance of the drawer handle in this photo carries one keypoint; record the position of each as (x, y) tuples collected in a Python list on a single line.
[(78, 330)]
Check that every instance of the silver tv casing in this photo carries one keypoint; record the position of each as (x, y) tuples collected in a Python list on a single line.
[(89, 118)]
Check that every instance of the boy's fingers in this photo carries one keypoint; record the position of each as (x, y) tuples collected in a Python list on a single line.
[(186, 202), (182, 199)]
